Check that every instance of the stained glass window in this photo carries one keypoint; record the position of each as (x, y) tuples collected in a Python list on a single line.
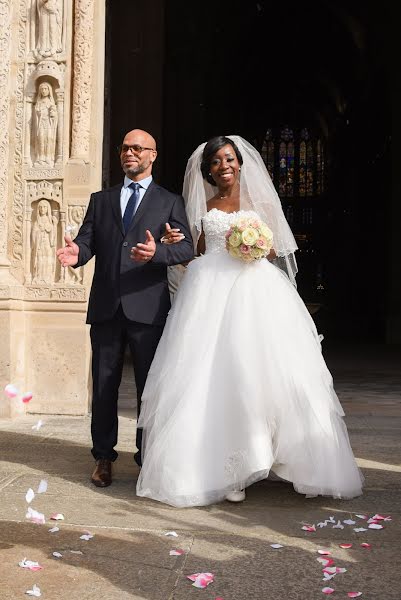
[(319, 167), (297, 161), (286, 163), (268, 152)]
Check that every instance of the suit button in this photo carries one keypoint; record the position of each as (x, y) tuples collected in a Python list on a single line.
[(125, 243)]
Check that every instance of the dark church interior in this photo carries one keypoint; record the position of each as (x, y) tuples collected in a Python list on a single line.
[(311, 86)]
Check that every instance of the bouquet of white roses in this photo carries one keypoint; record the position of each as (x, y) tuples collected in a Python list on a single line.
[(249, 239)]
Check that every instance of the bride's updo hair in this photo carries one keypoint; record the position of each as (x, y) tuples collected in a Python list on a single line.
[(212, 146)]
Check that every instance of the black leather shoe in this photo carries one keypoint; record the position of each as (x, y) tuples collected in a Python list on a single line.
[(101, 476), (138, 459)]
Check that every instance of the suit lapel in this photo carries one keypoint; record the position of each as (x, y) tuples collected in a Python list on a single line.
[(147, 201), (115, 194)]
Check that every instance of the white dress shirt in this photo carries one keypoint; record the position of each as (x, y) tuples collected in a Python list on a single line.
[(126, 191)]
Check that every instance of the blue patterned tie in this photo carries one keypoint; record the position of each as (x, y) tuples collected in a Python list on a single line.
[(131, 206)]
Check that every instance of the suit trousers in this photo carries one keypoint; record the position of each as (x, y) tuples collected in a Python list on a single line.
[(109, 340)]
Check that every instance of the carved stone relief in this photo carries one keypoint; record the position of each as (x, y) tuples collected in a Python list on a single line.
[(82, 87), (43, 243), (47, 28), (42, 232), (74, 221), (5, 57)]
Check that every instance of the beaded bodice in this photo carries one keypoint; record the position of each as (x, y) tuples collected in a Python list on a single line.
[(216, 223)]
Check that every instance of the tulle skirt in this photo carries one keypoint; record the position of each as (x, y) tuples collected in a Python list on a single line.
[(238, 388)]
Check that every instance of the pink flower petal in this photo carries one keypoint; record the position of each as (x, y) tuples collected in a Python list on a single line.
[(27, 397), (361, 516), (326, 562), (201, 580), (57, 517), (11, 390), (354, 594), (324, 552), (309, 528), (328, 590), (330, 570), (176, 552), (366, 545), (346, 546), (377, 517)]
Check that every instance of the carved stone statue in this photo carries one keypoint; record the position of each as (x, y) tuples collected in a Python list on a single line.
[(50, 20), (44, 239), (45, 132), (75, 217)]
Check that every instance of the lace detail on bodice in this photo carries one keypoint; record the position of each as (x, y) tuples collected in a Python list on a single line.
[(216, 223)]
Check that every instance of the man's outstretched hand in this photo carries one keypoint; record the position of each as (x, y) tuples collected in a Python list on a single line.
[(68, 256), (144, 252)]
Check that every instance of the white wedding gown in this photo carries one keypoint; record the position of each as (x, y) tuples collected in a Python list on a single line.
[(239, 387)]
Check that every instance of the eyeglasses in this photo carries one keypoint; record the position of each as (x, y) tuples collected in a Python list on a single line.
[(135, 148)]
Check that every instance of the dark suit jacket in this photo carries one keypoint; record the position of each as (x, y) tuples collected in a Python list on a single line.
[(142, 288)]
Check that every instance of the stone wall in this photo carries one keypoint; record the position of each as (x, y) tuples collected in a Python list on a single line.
[(51, 124)]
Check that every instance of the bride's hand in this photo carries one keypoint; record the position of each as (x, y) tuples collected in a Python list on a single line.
[(171, 236)]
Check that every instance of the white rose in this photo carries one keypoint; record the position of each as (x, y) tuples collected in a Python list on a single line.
[(250, 236)]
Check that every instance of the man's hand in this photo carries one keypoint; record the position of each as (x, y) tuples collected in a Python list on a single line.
[(171, 236), (144, 252), (68, 256)]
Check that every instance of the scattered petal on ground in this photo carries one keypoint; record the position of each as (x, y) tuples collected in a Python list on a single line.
[(330, 570), (176, 552), (201, 580), (27, 397), (309, 528), (338, 526), (35, 591), (328, 590), (35, 516), (76, 552), (377, 517), (349, 522), (276, 546), (11, 390), (346, 546), (322, 524), (42, 486), (366, 545), (361, 516), (341, 570), (86, 537), (57, 517), (326, 562), (359, 529), (38, 425), (172, 533), (354, 594), (30, 495), (324, 552), (30, 564), (375, 526), (57, 554), (54, 529)]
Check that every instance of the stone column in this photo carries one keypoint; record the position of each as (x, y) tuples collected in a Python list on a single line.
[(82, 87), (60, 128), (5, 60)]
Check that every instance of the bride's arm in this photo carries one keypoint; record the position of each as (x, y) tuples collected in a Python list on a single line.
[(201, 247)]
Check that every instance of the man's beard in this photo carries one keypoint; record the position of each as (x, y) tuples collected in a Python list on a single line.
[(132, 171)]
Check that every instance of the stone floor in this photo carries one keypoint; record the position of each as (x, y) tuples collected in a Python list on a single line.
[(128, 557)]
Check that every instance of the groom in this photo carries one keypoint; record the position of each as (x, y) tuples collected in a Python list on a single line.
[(129, 299)]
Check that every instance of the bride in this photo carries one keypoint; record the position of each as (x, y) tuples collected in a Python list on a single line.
[(238, 387)]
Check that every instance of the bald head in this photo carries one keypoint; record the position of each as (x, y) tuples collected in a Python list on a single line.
[(138, 154), (147, 139)]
